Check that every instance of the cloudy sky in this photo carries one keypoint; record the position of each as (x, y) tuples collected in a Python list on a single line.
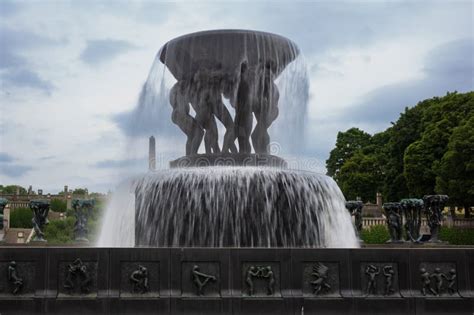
[(68, 69)]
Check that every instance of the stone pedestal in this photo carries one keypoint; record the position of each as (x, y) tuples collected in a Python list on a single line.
[(225, 159)]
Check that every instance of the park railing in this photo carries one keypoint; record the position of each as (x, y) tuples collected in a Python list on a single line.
[(457, 222)]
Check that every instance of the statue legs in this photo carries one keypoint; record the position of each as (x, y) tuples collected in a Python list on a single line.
[(243, 127), (183, 119), (191, 128), (221, 112), (266, 111), (36, 227), (208, 122), (202, 104), (243, 111)]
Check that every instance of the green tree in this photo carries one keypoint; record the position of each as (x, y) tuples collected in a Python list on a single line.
[(418, 173), (11, 190), (80, 191), (456, 168), (409, 156), (347, 144), (358, 177), (60, 231), (405, 131), (422, 156), (58, 205)]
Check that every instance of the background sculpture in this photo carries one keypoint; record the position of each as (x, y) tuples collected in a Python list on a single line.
[(434, 205), (355, 209), (3, 204), (394, 221), (412, 211), (82, 211), (40, 210)]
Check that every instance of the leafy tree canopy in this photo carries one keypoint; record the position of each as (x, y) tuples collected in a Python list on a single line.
[(429, 149), (348, 143), (11, 190)]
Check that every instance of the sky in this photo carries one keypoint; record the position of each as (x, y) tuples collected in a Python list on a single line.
[(68, 69)]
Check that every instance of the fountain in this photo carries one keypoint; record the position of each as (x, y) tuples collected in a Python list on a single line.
[(231, 196), (234, 199)]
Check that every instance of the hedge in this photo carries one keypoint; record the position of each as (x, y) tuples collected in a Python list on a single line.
[(21, 218)]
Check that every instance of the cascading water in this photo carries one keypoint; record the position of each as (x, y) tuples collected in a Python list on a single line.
[(241, 206), (259, 76), (228, 207)]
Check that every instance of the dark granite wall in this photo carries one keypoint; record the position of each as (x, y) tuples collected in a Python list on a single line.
[(238, 281)]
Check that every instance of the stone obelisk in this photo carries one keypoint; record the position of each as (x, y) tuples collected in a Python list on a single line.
[(152, 154)]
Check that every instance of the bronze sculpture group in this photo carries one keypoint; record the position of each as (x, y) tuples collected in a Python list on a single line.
[(77, 278), (433, 205), (238, 66), (40, 210), (262, 273), (410, 211), (82, 210), (437, 282), (355, 209), (394, 221), (372, 272), (3, 204), (251, 91)]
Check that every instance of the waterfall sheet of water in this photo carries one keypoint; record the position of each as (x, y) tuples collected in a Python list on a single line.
[(229, 207), (118, 223)]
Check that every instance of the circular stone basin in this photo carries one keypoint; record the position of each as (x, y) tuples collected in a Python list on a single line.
[(226, 50)]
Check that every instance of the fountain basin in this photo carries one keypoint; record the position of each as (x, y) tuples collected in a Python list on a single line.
[(225, 50), (240, 207)]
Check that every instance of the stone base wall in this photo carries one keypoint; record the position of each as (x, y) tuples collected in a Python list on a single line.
[(237, 281)]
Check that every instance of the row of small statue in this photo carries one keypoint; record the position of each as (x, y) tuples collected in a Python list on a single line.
[(82, 210), (430, 283), (409, 209), (78, 279), (139, 280), (3, 204)]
